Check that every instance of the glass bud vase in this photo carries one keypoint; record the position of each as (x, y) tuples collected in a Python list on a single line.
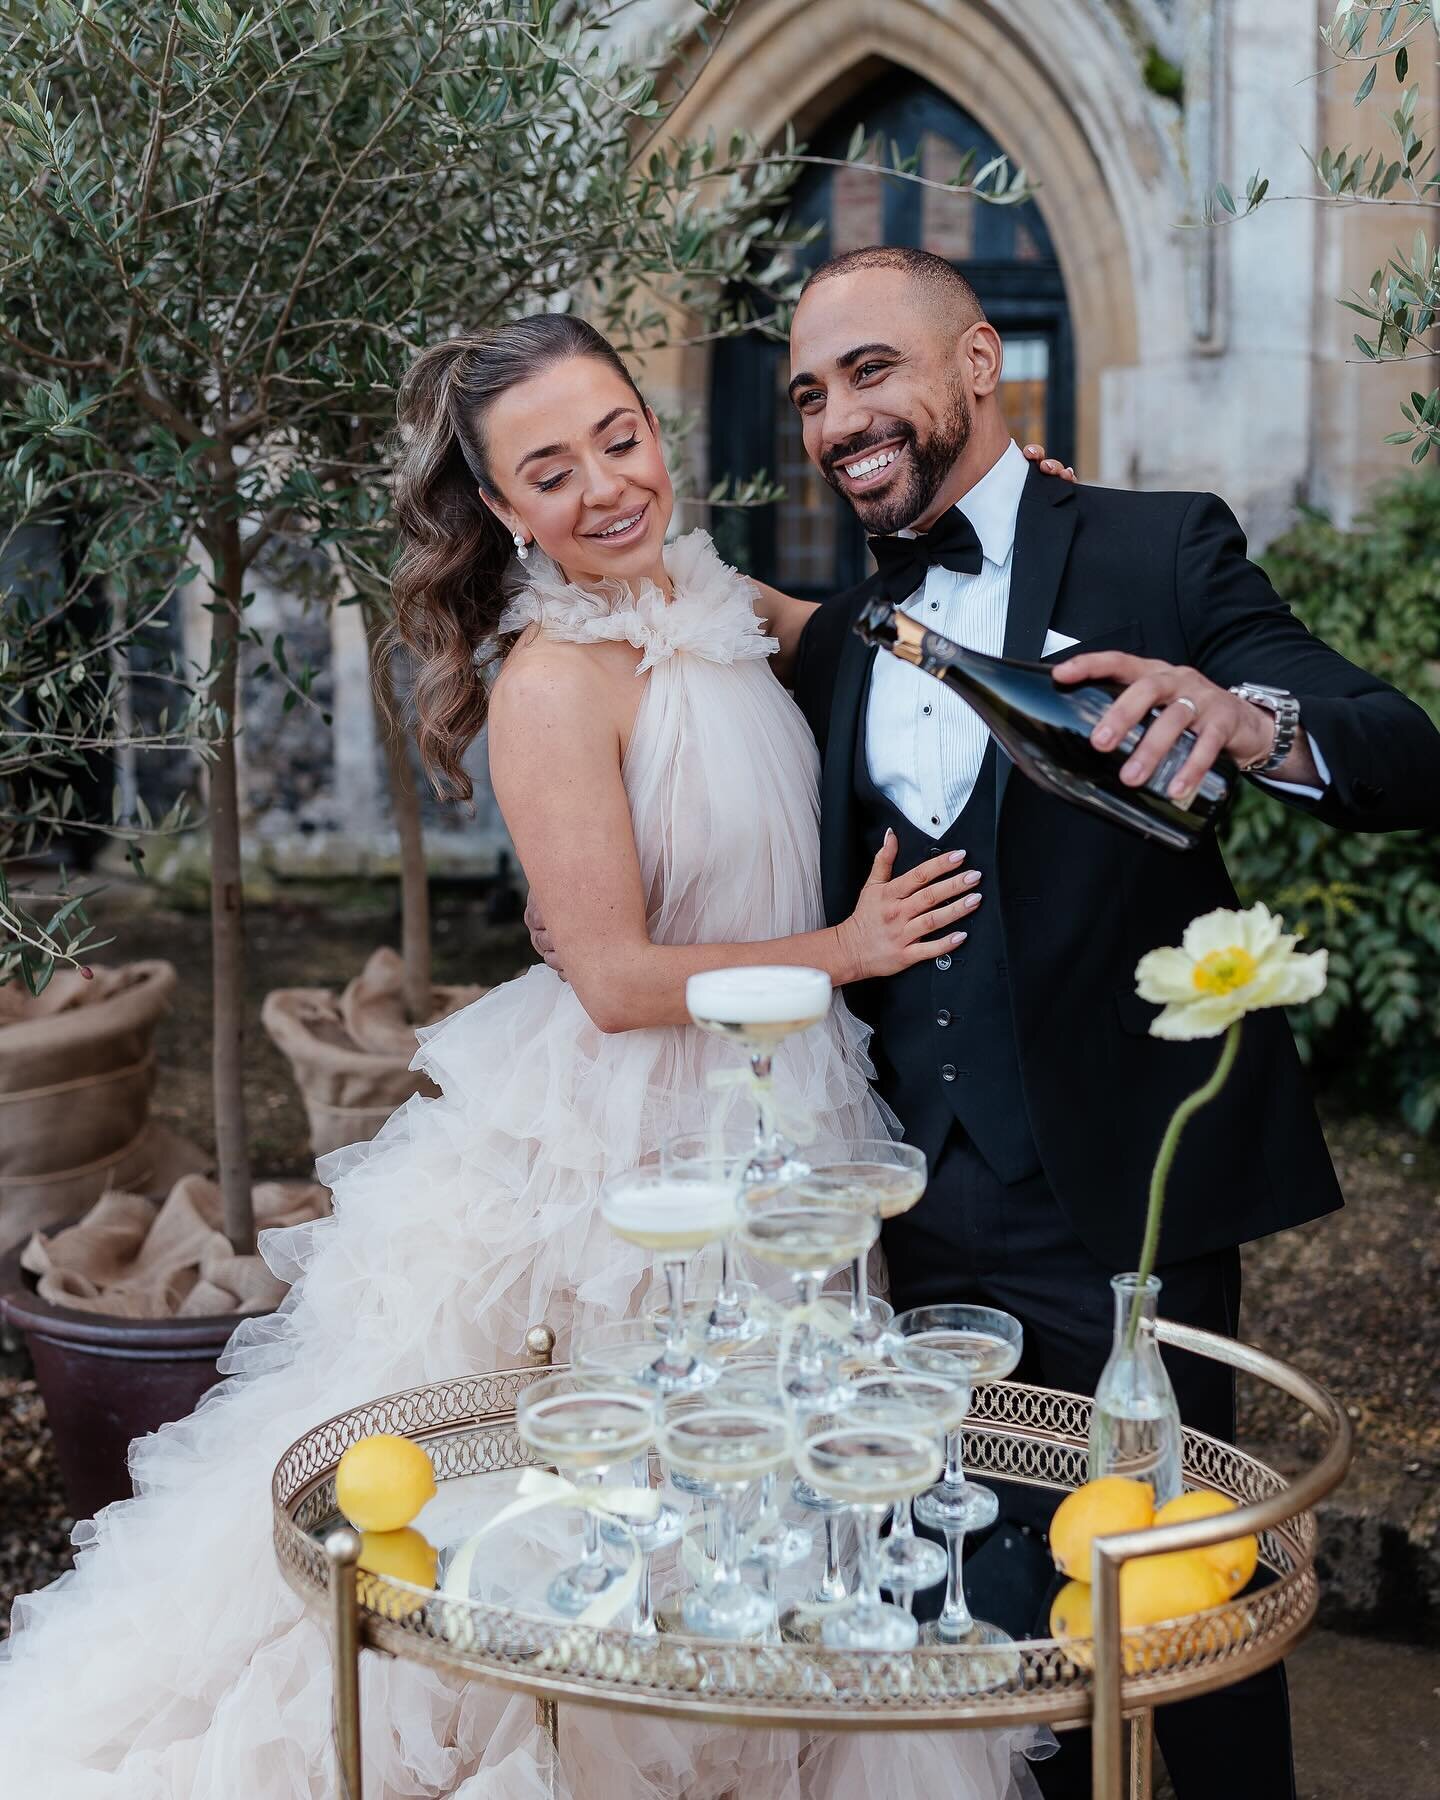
[(1135, 1427)]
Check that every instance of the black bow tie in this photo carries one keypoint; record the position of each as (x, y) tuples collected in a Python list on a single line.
[(902, 562)]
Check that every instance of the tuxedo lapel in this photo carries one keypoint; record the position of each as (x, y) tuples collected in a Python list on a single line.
[(1044, 527), (844, 741)]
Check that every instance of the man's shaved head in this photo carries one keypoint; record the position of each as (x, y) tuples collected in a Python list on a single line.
[(950, 288)]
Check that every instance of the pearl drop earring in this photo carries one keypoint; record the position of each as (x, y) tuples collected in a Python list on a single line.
[(522, 549)]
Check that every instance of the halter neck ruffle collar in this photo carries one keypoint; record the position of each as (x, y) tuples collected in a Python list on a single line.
[(711, 615)]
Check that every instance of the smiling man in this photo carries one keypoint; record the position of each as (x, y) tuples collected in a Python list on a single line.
[(1020, 1063)]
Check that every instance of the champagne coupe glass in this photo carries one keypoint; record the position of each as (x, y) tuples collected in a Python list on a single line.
[(891, 1176), (966, 1344), (772, 1541), (756, 1008), (722, 1154), (705, 1493), (583, 1433), (733, 1447), (618, 1354), (614, 1353), (808, 1228), (644, 1537), (801, 1622), (674, 1213), (908, 1562), (870, 1462)]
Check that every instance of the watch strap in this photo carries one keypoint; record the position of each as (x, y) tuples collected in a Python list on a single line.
[(1284, 708)]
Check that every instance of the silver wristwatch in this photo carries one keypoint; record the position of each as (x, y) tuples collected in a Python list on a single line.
[(1285, 709)]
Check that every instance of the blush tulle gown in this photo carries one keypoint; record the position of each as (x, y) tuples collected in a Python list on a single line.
[(173, 1663)]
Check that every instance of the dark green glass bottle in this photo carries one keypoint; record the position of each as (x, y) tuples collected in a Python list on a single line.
[(1045, 730)]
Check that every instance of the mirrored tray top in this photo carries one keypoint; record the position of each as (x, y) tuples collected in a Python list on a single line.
[(1016, 1432)]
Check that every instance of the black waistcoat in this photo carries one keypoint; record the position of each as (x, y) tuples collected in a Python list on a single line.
[(945, 1038)]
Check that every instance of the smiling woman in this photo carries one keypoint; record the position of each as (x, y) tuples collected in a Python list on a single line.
[(596, 503), (467, 504)]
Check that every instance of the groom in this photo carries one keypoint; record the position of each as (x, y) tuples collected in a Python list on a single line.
[(1020, 1063)]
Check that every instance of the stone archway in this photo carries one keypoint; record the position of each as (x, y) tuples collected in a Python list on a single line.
[(1048, 78)]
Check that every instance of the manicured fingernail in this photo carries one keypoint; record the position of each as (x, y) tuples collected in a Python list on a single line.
[(889, 835), (1103, 738), (957, 856), (971, 903), (1131, 771), (959, 937), (970, 879)]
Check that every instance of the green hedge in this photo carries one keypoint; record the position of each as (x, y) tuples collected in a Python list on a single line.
[(1374, 902)]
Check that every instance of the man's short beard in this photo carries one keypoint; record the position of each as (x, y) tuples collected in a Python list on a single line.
[(927, 469)]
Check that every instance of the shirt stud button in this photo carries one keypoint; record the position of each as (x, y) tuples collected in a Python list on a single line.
[(927, 712), (948, 1071), (942, 962)]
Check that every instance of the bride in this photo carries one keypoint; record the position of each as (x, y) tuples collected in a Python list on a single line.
[(660, 788)]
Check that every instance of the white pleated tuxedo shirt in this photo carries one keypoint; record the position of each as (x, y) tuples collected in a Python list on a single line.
[(923, 744)]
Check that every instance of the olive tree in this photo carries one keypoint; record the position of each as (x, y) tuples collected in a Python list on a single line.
[(223, 234)]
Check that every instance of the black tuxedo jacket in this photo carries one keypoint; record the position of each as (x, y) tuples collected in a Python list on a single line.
[(1081, 900)]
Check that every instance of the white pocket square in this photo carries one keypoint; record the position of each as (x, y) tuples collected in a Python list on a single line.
[(1057, 640)]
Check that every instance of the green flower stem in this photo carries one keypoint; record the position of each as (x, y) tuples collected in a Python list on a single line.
[(1190, 1105)]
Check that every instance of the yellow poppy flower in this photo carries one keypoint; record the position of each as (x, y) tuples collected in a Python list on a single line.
[(1229, 964)]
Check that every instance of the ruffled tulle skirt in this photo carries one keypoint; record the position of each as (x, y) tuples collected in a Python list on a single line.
[(174, 1664)]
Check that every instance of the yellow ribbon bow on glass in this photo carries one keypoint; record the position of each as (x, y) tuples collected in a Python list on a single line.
[(538, 1488)]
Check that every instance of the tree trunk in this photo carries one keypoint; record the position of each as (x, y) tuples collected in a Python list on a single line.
[(405, 804), (227, 909)]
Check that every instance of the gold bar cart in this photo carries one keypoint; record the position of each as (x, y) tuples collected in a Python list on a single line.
[(1017, 1432)]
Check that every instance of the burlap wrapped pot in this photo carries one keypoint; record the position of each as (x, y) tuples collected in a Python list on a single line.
[(350, 1052), (77, 1068)]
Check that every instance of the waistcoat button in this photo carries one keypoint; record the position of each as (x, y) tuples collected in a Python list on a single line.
[(942, 962), (947, 1071), (943, 1016)]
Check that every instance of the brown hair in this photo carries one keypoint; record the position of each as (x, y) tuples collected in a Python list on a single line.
[(448, 582)]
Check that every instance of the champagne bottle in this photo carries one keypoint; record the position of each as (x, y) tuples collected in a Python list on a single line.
[(1045, 729)]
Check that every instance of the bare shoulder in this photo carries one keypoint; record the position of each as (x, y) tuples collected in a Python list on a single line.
[(552, 691), (546, 674)]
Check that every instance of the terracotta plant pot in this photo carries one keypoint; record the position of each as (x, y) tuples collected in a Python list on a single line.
[(77, 1067), (105, 1381), (125, 1312), (350, 1053)]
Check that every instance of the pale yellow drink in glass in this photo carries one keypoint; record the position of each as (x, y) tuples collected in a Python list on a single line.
[(674, 1218), (781, 1227)]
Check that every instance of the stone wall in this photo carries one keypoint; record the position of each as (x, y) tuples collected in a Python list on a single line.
[(1205, 359)]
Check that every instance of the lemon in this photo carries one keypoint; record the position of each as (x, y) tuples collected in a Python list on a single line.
[(1153, 1588), (382, 1482), (1072, 1612), (1235, 1559), (404, 1555), (1113, 1503)]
